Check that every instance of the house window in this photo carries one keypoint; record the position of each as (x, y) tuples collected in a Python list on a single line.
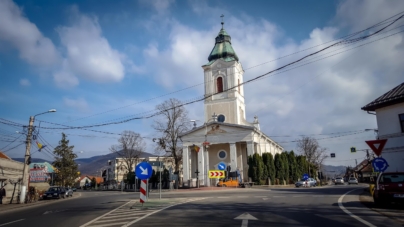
[(239, 86), (219, 83), (401, 117)]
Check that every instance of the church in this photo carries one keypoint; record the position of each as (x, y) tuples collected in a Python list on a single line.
[(225, 136)]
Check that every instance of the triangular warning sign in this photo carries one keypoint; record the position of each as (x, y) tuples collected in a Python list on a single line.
[(377, 145)]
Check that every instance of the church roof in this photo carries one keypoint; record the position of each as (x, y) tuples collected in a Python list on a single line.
[(394, 96), (222, 49)]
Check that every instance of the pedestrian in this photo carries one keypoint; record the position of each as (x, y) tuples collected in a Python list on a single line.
[(2, 193)]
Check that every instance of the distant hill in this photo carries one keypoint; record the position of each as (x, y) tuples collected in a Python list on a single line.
[(32, 160), (92, 166), (333, 170)]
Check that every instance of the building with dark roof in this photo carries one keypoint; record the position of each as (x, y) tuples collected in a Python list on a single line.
[(389, 111)]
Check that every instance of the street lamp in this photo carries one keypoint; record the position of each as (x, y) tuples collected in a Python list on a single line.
[(27, 158)]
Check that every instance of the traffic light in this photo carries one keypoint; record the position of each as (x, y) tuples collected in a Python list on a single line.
[(353, 149)]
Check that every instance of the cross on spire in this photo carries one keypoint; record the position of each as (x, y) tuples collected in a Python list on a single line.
[(222, 16)]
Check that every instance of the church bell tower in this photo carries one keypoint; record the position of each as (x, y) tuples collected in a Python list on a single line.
[(224, 94)]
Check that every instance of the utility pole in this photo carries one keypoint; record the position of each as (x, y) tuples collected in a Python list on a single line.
[(25, 171), (160, 175)]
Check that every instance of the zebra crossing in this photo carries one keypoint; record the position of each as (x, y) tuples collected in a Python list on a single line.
[(133, 211)]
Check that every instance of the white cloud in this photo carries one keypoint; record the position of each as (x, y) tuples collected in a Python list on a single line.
[(89, 55), (25, 82), (77, 104), (17, 30), (317, 98)]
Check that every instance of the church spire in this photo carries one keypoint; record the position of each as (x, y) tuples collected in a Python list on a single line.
[(223, 49)]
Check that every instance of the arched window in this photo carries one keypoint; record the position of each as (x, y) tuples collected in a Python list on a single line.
[(219, 84)]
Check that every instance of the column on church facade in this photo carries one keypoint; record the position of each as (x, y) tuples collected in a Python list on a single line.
[(201, 167), (250, 148), (185, 161), (206, 158), (233, 156)]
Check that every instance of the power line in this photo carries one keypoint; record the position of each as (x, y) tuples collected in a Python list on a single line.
[(341, 38)]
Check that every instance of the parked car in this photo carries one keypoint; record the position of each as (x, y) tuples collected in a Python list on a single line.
[(310, 182), (69, 192), (389, 188), (352, 180), (54, 192), (74, 189)]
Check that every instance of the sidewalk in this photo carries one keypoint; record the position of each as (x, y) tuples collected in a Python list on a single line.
[(392, 211)]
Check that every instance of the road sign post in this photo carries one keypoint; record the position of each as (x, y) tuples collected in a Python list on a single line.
[(143, 171)]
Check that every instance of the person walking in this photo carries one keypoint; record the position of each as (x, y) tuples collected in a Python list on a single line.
[(2, 193)]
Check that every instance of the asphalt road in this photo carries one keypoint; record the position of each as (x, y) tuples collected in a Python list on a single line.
[(274, 207)]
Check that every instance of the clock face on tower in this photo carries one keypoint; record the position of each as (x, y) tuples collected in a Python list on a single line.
[(221, 118)]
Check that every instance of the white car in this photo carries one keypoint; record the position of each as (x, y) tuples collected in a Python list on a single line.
[(352, 180), (339, 180)]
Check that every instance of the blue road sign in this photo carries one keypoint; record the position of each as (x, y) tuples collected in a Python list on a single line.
[(380, 164), (305, 176), (221, 166), (143, 171)]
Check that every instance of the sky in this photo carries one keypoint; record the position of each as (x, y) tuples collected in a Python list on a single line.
[(99, 62)]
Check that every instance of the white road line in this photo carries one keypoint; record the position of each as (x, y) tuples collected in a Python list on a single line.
[(11, 222), (278, 196), (223, 197), (105, 225), (130, 223), (88, 223), (351, 214), (242, 196), (260, 196)]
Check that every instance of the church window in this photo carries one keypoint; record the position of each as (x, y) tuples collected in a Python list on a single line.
[(222, 154), (221, 118), (219, 84)]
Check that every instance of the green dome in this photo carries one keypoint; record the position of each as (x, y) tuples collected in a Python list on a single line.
[(223, 48)]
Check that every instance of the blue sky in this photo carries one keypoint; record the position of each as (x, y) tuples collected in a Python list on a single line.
[(101, 61)]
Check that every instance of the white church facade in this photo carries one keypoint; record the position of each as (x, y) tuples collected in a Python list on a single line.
[(226, 136)]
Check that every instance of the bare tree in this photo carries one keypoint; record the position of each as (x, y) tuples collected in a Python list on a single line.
[(310, 148), (174, 122), (130, 147)]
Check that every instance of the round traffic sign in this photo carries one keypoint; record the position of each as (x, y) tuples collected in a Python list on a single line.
[(221, 166), (380, 164), (143, 171)]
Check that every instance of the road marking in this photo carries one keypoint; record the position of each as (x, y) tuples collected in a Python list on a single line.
[(265, 198), (278, 196), (351, 214), (88, 223), (11, 222), (244, 219), (223, 197), (297, 196), (243, 196), (134, 221), (260, 196)]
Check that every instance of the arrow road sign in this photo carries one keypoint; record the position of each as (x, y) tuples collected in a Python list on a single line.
[(216, 174), (380, 164), (245, 217), (221, 166), (143, 171), (377, 145)]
